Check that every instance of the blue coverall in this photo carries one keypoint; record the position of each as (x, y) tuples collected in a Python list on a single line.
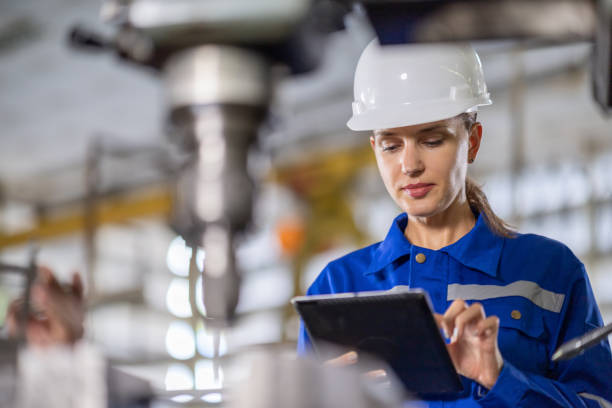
[(536, 286)]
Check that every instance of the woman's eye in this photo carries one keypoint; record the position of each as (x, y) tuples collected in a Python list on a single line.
[(433, 143)]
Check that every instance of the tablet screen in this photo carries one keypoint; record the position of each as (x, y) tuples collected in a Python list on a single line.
[(397, 327)]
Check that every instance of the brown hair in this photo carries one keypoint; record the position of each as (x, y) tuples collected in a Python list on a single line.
[(477, 199)]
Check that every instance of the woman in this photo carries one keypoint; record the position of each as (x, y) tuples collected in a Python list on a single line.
[(506, 300)]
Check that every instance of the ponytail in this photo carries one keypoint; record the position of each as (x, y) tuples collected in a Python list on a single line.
[(478, 203), (476, 197)]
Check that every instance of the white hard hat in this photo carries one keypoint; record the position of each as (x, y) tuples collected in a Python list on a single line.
[(403, 85)]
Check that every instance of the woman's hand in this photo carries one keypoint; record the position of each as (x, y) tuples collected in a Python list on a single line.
[(473, 347), (57, 313)]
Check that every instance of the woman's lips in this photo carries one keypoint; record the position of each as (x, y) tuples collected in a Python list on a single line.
[(418, 190)]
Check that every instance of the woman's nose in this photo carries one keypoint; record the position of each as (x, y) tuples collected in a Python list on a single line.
[(411, 162)]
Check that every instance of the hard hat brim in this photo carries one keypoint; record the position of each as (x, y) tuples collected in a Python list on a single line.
[(411, 114)]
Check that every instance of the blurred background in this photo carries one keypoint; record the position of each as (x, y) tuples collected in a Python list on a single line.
[(88, 177)]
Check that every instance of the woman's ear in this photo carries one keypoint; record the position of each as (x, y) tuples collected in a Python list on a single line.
[(474, 139)]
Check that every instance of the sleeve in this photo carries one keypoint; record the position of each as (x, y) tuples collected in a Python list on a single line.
[(584, 381)]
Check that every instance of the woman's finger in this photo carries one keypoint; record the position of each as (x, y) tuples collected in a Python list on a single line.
[(376, 374), (439, 319), (448, 320), (344, 360), (488, 327), (471, 315)]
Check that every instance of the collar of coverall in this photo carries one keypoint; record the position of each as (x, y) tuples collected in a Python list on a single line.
[(479, 249)]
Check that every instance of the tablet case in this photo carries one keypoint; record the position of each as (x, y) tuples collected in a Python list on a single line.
[(397, 327)]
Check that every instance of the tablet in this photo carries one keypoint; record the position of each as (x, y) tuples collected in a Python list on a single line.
[(397, 327)]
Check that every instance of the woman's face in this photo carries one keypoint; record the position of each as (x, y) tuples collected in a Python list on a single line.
[(424, 166)]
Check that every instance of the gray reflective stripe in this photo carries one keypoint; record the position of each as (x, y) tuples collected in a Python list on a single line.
[(530, 290), (604, 403)]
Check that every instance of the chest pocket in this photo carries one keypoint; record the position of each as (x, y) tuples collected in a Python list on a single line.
[(522, 336)]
